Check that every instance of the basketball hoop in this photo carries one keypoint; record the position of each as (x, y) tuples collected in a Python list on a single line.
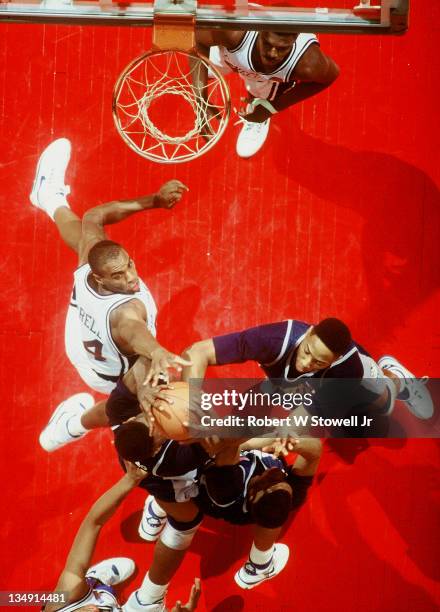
[(160, 113)]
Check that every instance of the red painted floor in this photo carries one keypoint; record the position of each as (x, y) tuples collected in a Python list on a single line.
[(338, 215)]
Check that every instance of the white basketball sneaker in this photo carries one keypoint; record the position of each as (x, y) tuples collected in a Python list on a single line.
[(49, 191), (252, 137), (249, 576), (112, 571), (414, 392), (133, 604), (56, 433), (151, 524)]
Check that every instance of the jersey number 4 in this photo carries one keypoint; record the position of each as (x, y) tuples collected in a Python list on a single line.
[(94, 347)]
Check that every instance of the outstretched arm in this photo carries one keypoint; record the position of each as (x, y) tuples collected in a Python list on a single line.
[(309, 452), (314, 72), (133, 338), (72, 579), (96, 218)]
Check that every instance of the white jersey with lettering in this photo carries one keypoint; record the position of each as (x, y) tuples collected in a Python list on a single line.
[(261, 85), (89, 342)]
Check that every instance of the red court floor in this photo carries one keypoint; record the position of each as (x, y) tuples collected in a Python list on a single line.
[(337, 216)]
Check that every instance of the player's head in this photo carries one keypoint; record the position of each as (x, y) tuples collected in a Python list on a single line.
[(112, 268), (323, 344), (133, 442), (274, 47), (269, 498)]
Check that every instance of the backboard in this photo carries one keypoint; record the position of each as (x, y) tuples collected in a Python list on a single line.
[(338, 16)]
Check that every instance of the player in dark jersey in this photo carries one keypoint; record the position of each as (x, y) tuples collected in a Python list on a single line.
[(171, 472), (295, 352), (262, 490)]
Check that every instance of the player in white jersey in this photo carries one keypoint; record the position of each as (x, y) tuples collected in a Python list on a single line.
[(112, 314), (90, 589), (279, 70)]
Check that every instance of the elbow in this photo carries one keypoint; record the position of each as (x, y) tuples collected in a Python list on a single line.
[(93, 216), (197, 352), (333, 72)]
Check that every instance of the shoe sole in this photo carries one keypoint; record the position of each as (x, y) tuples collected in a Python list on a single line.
[(35, 186), (279, 565), (56, 415)]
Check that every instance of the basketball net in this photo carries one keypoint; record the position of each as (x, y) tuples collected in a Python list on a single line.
[(163, 106)]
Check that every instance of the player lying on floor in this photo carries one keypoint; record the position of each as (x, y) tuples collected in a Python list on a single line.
[(91, 588)]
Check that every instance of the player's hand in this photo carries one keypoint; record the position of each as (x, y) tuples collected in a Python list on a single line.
[(277, 448), (148, 397), (169, 194), (194, 597), (161, 360), (134, 473)]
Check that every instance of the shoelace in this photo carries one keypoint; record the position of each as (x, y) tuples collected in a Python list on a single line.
[(422, 380), (55, 180), (251, 126)]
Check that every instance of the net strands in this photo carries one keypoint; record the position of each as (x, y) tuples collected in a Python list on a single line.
[(162, 115)]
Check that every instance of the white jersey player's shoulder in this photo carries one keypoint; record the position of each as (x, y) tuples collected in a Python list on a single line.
[(94, 311)]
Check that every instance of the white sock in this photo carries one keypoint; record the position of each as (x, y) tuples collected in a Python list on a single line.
[(53, 204), (261, 557), (74, 425), (158, 511), (150, 593)]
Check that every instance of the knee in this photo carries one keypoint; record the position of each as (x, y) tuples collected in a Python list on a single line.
[(178, 535)]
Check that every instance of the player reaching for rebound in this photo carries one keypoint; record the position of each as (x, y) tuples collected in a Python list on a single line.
[(91, 588), (112, 314)]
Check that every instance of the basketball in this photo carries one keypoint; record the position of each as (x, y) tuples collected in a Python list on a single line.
[(171, 418)]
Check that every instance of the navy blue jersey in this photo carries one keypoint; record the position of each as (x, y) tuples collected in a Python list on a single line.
[(173, 470), (233, 507), (274, 346), (341, 389)]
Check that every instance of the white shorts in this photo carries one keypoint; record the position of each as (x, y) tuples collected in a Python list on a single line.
[(255, 88), (77, 355)]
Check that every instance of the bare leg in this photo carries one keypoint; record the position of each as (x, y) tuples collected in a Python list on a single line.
[(166, 562), (95, 417), (168, 557), (265, 538), (69, 226)]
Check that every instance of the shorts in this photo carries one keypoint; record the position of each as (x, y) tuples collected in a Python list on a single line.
[(170, 489), (77, 355)]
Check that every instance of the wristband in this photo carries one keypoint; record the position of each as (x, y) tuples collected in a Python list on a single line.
[(262, 102)]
